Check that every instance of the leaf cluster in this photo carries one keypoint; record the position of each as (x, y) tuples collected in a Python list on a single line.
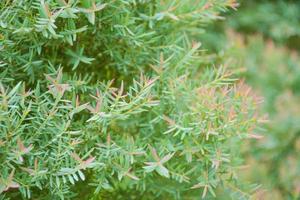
[(107, 99)]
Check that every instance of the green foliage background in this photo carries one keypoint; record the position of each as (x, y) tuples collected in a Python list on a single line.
[(263, 37), (144, 99)]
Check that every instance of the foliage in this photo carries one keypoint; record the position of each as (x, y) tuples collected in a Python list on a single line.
[(165, 127), (266, 45), (274, 72), (263, 38), (272, 62), (278, 20)]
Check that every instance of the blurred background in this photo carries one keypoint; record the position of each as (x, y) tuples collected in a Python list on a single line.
[(262, 40)]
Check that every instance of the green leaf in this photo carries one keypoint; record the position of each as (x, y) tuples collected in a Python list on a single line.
[(162, 171), (81, 175)]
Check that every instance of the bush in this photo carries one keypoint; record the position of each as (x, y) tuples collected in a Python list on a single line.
[(263, 38), (115, 99), (274, 72), (269, 50), (274, 19)]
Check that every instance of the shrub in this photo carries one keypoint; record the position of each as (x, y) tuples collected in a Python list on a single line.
[(275, 19), (115, 99), (263, 38), (274, 72)]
